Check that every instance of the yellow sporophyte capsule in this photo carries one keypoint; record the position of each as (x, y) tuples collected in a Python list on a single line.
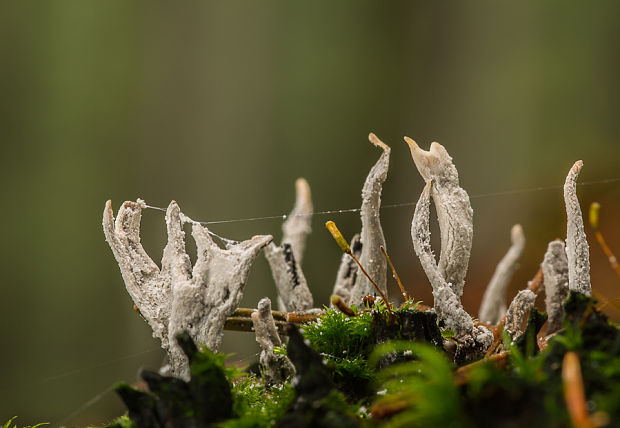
[(595, 207), (342, 243)]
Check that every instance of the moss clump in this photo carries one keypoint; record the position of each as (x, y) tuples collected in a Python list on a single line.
[(11, 424), (531, 391), (122, 422), (417, 392), (256, 404), (339, 335), (345, 342), (527, 391), (396, 367)]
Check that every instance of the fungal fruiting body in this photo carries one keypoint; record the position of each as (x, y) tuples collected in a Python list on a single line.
[(456, 225), (198, 299), (577, 250), (555, 271), (179, 297), (493, 305), (351, 285), (344, 246), (454, 212), (348, 271), (277, 367), (285, 259), (518, 310)]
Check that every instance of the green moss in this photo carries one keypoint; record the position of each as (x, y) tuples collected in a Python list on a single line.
[(346, 342), (257, 405), (530, 391), (11, 424), (422, 388), (122, 422), (395, 366), (339, 335)]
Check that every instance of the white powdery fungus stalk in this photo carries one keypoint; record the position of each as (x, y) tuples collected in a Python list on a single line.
[(454, 212), (555, 272), (298, 224), (352, 285), (285, 260), (518, 310), (474, 340), (277, 367), (493, 305), (447, 304), (577, 249), (348, 271), (177, 297)]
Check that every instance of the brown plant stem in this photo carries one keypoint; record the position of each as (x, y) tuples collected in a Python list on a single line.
[(400, 284), (387, 303)]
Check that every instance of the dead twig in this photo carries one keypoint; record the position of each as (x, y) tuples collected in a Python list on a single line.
[(595, 208)]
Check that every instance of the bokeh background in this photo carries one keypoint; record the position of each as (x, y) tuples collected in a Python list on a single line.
[(222, 105)]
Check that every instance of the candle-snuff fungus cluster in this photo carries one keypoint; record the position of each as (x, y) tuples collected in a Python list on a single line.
[(202, 299)]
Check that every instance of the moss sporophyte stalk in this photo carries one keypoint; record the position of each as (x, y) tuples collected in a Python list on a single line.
[(365, 360)]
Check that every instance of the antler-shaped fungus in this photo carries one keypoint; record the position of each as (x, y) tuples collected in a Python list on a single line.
[(577, 249), (285, 260), (493, 305), (350, 285), (454, 212), (455, 222), (176, 297)]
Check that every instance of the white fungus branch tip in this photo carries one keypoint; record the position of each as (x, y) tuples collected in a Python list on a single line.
[(298, 223), (285, 260), (447, 303), (577, 249), (493, 304), (454, 212), (455, 218), (354, 287)]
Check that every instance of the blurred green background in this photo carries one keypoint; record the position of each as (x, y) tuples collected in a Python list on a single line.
[(222, 105)]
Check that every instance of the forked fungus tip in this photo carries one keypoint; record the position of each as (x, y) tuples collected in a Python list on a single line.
[(377, 142)]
